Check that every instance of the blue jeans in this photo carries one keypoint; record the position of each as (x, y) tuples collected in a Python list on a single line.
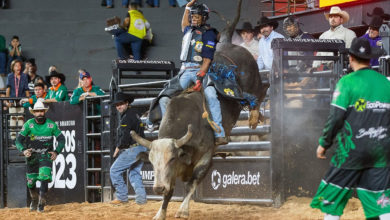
[(186, 79), (153, 3), (124, 2), (123, 38), (3, 63), (128, 160), (172, 2)]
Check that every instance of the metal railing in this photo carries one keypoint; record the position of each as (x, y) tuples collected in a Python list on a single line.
[(291, 7), (94, 127)]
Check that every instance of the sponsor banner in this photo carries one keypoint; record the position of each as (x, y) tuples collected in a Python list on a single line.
[(68, 169), (147, 174), (326, 3), (247, 178)]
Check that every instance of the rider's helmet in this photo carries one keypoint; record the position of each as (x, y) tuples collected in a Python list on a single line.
[(200, 9)]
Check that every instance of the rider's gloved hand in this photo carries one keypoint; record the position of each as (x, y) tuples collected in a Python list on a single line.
[(198, 85), (199, 79)]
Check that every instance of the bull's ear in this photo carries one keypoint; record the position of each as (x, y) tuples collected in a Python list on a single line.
[(184, 157), (144, 156)]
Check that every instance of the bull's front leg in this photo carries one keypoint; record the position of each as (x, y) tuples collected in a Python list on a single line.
[(162, 212), (254, 117), (200, 170)]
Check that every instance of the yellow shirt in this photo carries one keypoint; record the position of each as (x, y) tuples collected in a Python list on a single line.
[(137, 24)]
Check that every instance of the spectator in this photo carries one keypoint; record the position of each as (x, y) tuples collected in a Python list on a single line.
[(39, 94), (80, 83), (58, 91), (87, 89), (247, 34), (156, 3), (3, 56), (373, 36), (17, 86), (336, 18), (33, 78), (137, 26), (3, 62), (377, 11), (172, 3), (109, 3), (4, 4), (14, 50), (52, 68), (17, 83), (267, 27), (292, 29), (27, 65)]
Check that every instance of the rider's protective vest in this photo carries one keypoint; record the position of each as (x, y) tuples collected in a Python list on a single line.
[(137, 24), (191, 48)]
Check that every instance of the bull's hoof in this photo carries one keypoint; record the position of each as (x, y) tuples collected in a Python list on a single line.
[(160, 215), (182, 214)]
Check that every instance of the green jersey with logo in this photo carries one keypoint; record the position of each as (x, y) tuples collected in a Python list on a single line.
[(359, 121), (39, 137)]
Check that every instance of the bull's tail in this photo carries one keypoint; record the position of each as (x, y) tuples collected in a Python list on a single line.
[(227, 34)]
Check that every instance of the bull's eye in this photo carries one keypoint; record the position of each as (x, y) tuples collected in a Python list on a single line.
[(171, 160)]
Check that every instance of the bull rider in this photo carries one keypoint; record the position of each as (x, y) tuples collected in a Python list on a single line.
[(198, 47)]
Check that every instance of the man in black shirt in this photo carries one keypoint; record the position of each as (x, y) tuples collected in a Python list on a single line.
[(126, 152)]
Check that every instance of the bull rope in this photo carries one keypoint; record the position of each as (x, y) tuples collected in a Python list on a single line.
[(230, 59), (205, 113)]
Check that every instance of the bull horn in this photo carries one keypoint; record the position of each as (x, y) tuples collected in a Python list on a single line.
[(185, 138), (140, 140)]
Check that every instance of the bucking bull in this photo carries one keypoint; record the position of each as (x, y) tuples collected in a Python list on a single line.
[(188, 153)]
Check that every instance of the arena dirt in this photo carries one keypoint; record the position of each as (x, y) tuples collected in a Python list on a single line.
[(294, 209)]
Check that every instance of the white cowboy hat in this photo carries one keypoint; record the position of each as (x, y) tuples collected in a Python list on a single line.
[(38, 106), (335, 10)]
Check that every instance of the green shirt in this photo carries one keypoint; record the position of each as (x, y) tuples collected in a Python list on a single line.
[(31, 101), (61, 94), (74, 99), (2, 44), (359, 121), (39, 136)]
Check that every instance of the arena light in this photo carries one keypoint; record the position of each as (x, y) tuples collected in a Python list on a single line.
[(326, 3)]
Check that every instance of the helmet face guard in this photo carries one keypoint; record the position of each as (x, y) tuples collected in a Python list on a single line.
[(200, 9), (291, 21)]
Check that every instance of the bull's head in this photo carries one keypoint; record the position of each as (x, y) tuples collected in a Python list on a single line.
[(167, 158)]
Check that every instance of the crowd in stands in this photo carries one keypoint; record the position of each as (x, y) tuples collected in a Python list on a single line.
[(27, 87), (149, 3), (258, 40)]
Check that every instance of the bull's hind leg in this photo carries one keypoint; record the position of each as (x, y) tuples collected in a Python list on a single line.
[(162, 212), (200, 170)]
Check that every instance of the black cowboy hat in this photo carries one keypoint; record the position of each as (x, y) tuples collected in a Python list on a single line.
[(361, 48), (376, 22), (377, 11), (122, 97), (264, 21), (55, 74), (246, 26)]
